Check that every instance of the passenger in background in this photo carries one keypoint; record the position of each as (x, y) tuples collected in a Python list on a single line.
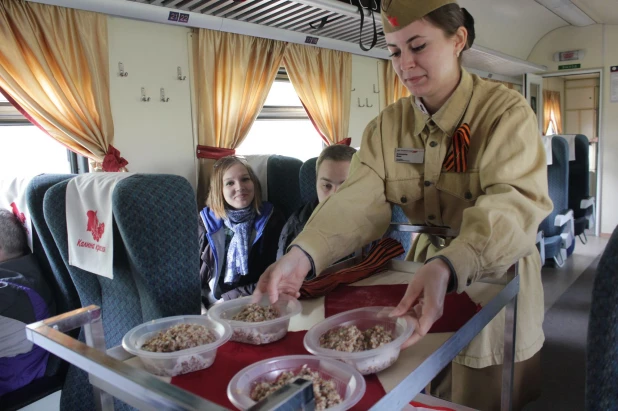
[(25, 298), (238, 232), (332, 170)]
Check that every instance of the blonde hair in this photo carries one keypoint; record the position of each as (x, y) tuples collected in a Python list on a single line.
[(215, 201)]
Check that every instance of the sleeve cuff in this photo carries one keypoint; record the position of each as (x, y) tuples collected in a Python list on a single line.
[(316, 248), (464, 263), (310, 274)]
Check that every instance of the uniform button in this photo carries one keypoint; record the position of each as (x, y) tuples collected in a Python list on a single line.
[(404, 199), (427, 183), (433, 144), (431, 217), (468, 195)]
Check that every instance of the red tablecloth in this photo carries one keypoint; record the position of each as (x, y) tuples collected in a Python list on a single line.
[(458, 308)]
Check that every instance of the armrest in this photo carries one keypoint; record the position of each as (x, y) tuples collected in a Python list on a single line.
[(566, 220), (587, 203), (563, 218)]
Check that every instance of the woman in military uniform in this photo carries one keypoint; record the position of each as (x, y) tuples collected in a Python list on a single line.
[(462, 153)]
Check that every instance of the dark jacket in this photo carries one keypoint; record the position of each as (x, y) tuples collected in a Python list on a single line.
[(213, 251), (25, 298), (294, 226)]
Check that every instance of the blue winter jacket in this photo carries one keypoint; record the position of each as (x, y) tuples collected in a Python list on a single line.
[(266, 230)]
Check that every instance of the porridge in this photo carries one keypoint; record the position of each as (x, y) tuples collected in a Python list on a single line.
[(325, 391), (179, 337)]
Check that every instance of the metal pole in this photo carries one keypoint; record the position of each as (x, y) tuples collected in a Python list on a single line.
[(95, 338), (508, 367)]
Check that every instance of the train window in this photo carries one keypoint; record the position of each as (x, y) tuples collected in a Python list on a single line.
[(25, 149), (282, 127), (282, 94)]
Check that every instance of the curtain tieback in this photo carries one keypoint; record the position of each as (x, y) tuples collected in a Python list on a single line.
[(214, 153), (345, 141), (457, 160), (113, 162)]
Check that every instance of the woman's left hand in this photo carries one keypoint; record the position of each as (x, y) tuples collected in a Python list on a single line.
[(426, 290)]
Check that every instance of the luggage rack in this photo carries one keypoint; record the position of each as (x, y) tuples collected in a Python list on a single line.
[(112, 377)]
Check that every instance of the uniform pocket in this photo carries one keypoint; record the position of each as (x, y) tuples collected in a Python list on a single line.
[(404, 192), (466, 186)]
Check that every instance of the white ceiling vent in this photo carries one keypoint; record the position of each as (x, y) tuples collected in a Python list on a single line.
[(567, 11)]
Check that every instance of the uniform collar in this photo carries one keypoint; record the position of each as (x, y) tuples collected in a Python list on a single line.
[(451, 113)]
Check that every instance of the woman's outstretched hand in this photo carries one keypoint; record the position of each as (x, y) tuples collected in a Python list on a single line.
[(284, 276), (424, 298)]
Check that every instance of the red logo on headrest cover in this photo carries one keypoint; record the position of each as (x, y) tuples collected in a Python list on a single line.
[(18, 214), (93, 226), (393, 21)]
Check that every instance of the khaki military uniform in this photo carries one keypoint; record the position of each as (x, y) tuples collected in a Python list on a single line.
[(497, 204)]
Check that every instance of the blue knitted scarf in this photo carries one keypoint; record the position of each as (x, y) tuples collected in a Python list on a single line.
[(241, 223)]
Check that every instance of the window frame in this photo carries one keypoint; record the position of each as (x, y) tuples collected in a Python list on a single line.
[(282, 112), (10, 116)]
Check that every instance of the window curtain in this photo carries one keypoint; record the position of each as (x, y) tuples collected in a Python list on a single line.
[(393, 88), (233, 75), (322, 79), (552, 110), (54, 67)]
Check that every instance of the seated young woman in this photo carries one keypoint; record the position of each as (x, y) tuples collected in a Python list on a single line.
[(238, 232)]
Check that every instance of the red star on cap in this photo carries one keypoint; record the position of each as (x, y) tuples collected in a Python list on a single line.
[(393, 21)]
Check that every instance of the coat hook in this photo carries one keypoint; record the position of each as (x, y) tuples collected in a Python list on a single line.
[(367, 101), (374, 89), (163, 98), (354, 89), (359, 103), (121, 71), (180, 76), (144, 98)]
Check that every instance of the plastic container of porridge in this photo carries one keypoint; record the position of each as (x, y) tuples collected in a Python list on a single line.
[(175, 363), (260, 332), (369, 361), (349, 383)]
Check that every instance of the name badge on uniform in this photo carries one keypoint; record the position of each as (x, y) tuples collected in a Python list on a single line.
[(410, 155)]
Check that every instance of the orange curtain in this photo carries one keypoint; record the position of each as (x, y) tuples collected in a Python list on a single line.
[(322, 79), (393, 88), (547, 107), (557, 111), (233, 75), (552, 111), (54, 66)]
